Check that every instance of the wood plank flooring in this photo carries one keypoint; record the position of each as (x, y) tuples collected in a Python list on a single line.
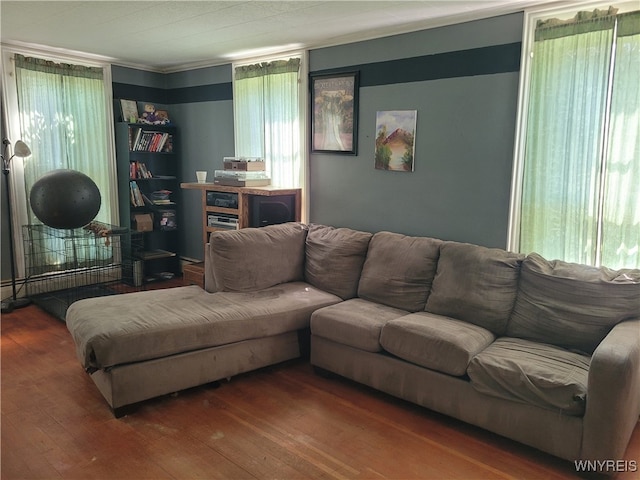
[(281, 422)]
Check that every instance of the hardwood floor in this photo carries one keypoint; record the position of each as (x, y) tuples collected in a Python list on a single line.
[(280, 422)]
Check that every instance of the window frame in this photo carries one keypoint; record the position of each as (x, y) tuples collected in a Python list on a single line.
[(11, 130), (531, 16), (303, 112)]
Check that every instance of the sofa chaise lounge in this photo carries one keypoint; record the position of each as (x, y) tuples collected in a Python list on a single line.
[(546, 353)]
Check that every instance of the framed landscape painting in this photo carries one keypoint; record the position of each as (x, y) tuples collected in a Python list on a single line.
[(334, 110), (129, 110), (395, 140)]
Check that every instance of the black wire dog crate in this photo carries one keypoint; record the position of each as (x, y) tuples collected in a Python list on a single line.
[(63, 266)]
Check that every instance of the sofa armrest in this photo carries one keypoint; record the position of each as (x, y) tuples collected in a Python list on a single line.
[(209, 280), (613, 394)]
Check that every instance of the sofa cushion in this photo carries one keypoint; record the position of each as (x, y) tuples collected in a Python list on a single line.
[(334, 259), (435, 342), (252, 259), (356, 322), (533, 373), (475, 284), (571, 305), (156, 323), (399, 270)]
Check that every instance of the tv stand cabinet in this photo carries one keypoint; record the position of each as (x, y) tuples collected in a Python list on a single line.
[(242, 211)]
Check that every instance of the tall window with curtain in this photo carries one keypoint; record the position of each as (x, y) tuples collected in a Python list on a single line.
[(266, 102), (63, 118), (580, 186)]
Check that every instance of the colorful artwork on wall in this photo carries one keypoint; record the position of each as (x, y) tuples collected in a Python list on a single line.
[(334, 122), (395, 140)]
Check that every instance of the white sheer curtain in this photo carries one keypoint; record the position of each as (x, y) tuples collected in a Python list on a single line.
[(580, 200), (621, 213), (266, 103), (64, 119)]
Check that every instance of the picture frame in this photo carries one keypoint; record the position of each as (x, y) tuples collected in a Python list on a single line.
[(129, 110), (395, 140), (334, 113)]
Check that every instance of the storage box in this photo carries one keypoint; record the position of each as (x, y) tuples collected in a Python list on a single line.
[(244, 165), (143, 222), (193, 274)]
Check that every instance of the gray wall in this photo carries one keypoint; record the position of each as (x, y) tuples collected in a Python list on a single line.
[(200, 105), (464, 139), (203, 146), (460, 187), (205, 117)]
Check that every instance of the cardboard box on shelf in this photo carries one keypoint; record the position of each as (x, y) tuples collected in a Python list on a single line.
[(143, 222)]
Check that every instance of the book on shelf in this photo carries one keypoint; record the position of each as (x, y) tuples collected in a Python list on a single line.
[(134, 137), (137, 199), (159, 198), (139, 170), (150, 141)]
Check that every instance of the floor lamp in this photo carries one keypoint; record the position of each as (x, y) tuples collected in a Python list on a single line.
[(22, 150)]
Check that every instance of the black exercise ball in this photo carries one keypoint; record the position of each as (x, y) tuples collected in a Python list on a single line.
[(65, 199)]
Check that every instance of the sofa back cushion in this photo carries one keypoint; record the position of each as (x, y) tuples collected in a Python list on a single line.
[(475, 284), (334, 259), (251, 259), (570, 305), (399, 270)]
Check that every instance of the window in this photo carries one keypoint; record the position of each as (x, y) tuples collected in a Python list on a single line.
[(62, 111), (576, 193), (267, 102)]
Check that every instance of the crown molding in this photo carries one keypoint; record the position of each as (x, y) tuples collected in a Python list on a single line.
[(57, 54), (494, 11)]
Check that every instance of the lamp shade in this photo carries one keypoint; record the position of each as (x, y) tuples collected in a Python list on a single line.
[(21, 149)]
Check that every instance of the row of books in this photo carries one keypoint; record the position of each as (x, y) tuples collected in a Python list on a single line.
[(150, 141), (139, 199), (139, 170)]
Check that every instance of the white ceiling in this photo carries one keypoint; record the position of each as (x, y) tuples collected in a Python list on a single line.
[(181, 34)]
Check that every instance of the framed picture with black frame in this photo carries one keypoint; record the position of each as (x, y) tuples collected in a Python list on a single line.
[(334, 113)]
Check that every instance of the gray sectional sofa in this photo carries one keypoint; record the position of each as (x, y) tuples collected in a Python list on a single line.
[(543, 352)]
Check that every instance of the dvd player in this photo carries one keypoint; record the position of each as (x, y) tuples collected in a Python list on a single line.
[(220, 220)]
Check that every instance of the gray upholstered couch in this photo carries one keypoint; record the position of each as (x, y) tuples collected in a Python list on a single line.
[(141, 345), (545, 353)]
